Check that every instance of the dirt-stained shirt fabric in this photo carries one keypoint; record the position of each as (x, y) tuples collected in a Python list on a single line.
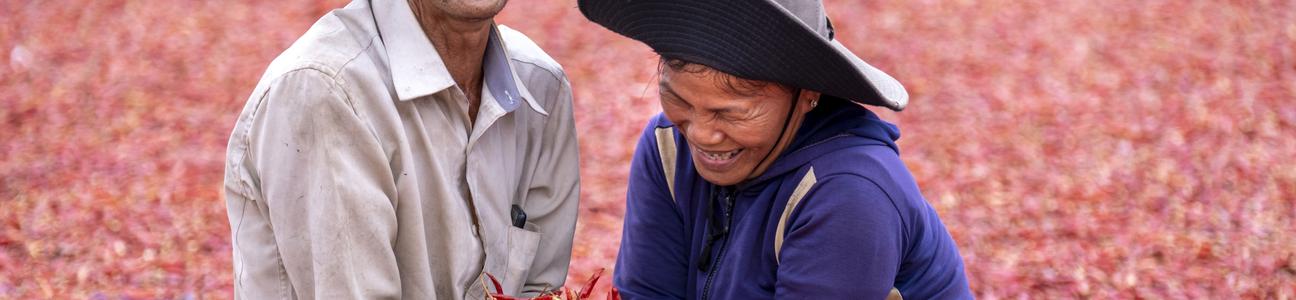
[(353, 171)]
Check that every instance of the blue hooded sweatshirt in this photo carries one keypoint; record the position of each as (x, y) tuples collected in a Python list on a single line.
[(836, 216)]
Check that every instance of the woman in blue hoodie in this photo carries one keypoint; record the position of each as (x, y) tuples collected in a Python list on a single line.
[(765, 176)]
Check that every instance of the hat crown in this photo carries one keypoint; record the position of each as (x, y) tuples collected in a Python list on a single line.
[(785, 41), (808, 12)]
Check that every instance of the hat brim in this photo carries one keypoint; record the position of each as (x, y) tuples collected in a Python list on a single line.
[(754, 39)]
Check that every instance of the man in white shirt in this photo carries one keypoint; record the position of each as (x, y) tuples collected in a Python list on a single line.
[(402, 150)]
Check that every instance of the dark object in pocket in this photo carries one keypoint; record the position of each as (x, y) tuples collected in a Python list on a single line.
[(518, 216)]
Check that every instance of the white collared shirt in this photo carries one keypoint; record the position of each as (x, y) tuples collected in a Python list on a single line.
[(354, 172)]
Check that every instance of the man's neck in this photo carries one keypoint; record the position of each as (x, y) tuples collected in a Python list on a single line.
[(462, 46)]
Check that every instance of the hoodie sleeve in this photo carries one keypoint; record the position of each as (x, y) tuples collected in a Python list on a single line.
[(844, 241), (653, 260)]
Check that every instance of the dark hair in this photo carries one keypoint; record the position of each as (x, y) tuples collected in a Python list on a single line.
[(732, 83)]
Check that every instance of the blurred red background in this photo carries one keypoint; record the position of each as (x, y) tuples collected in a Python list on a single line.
[(1075, 149)]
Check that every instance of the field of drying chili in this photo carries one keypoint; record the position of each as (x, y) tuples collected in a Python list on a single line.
[(1075, 149)]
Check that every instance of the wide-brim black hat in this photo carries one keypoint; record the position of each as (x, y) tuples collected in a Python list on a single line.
[(784, 41)]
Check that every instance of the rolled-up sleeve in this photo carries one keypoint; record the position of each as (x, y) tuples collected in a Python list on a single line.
[(553, 194), (328, 190)]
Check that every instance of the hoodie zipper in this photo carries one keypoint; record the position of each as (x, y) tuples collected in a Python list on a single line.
[(715, 265)]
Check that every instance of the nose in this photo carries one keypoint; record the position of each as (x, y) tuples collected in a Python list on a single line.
[(703, 133)]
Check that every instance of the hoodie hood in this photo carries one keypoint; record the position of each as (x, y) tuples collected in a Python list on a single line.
[(835, 124)]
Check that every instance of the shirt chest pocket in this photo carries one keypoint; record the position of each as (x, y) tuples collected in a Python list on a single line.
[(522, 248)]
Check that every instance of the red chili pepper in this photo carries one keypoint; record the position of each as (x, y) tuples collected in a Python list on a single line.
[(562, 293)]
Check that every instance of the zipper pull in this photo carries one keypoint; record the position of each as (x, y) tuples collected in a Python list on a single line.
[(729, 195)]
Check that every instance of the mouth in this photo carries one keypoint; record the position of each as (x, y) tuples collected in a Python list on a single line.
[(718, 160)]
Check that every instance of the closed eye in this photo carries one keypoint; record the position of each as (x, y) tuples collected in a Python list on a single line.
[(727, 113)]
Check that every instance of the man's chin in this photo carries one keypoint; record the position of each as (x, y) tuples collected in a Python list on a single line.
[(472, 9)]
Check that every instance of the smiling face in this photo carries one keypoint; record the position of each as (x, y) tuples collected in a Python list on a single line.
[(731, 123)]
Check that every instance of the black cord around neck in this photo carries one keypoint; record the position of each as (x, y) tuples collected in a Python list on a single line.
[(796, 95)]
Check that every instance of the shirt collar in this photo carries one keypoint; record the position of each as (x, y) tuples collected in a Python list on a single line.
[(498, 75), (417, 69)]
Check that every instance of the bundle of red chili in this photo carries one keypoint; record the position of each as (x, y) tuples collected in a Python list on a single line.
[(562, 293)]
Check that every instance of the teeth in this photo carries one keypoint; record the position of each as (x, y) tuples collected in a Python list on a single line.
[(720, 156)]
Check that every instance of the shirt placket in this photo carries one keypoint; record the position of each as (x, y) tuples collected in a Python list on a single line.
[(489, 166)]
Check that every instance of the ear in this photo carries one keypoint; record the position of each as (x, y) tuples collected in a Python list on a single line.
[(807, 101)]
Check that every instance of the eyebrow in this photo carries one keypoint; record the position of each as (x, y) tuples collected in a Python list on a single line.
[(667, 88)]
